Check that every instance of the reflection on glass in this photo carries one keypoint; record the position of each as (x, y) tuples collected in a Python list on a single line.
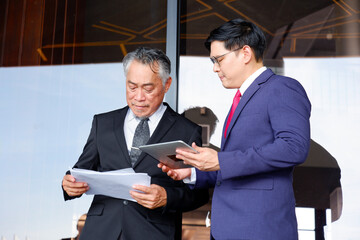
[(293, 28), (68, 32)]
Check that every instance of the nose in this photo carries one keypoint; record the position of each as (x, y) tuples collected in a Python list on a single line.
[(216, 67), (139, 95)]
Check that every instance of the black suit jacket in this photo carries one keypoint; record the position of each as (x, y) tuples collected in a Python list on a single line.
[(106, 150)]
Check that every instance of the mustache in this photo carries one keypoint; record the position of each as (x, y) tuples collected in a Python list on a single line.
[(139, 105)]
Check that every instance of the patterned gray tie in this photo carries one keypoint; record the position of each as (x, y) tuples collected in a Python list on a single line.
[(141, 137)]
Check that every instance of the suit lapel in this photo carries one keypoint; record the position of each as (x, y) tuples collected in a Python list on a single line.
[(119, 132), (224, 126), (165, 124), (252, 89)]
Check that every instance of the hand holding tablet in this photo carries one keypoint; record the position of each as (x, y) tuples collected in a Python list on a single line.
[(166, 152)]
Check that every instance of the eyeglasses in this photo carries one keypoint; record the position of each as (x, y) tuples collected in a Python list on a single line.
[(215, 59)]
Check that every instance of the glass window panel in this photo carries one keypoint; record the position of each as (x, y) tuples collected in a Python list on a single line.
[(48, 119), (49, 109), (293, 28), (67, 32), (317, 43)]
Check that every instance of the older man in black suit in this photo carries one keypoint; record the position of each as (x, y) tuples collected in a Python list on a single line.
[(157, 212)]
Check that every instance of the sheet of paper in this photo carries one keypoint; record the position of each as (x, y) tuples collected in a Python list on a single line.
[(117, 183)]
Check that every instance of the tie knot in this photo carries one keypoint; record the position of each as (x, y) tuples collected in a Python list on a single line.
[(143, 120), (143, 126)]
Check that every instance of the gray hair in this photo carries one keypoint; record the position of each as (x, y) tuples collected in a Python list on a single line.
[(156, 59)]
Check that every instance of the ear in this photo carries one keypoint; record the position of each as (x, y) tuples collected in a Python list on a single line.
[(248, 53), (168, 84)]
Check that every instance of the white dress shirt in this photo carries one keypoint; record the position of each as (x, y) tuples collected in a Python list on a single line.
[(131, 122)]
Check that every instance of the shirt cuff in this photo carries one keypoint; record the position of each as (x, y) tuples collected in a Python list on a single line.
[(192, 178)]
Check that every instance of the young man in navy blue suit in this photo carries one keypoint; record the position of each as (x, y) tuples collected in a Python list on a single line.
[(266, 137)]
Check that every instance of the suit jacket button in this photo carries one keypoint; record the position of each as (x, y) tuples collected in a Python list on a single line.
[(218, 183), (125, 202)]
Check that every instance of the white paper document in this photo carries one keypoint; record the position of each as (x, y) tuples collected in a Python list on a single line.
[(117, 183)]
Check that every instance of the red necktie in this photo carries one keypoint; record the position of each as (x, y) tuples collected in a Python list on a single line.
[(233, 107)]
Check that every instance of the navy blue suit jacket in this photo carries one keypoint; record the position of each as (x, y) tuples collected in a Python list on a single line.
[(268, 135)]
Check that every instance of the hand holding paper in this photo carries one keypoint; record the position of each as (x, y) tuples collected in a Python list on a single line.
[(115, 184), (73, 188), (150, 197)]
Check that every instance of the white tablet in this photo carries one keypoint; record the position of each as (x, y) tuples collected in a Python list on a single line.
[(166, 152)]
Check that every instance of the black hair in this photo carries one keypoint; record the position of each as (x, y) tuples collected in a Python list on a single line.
[(238, 33)]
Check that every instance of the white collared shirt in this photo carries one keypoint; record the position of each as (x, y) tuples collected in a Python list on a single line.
[(251, 79), (131, 122)]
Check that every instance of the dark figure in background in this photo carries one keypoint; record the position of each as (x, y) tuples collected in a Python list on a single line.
[(204, 117), (157, 212)]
